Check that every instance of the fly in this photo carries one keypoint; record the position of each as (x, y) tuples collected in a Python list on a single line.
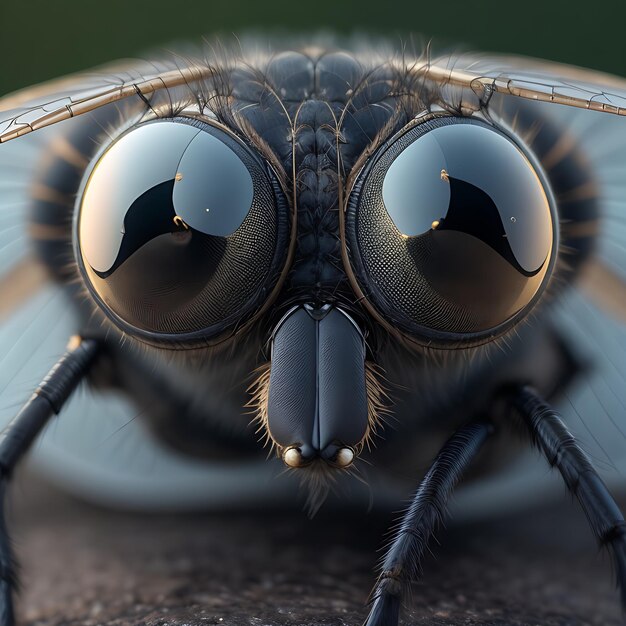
[(363, 249)]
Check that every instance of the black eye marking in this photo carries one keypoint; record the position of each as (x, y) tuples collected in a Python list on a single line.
[(451, 231), (189, 177), (472, 211), (467, 178), (148, 217), (179, 229)]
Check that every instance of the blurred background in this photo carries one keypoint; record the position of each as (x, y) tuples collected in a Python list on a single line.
[(41, 39)]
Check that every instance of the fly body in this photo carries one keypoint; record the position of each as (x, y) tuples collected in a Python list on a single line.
[(361, 251)]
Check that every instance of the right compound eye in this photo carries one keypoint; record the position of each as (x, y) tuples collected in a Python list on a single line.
[(179, 229), (452, 232)]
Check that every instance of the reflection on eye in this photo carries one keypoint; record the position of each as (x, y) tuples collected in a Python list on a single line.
[(471, 179), (178, 227), (171, 187), (466, 219)]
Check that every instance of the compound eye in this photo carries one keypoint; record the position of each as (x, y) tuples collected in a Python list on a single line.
[(453, 234), (178, 228)]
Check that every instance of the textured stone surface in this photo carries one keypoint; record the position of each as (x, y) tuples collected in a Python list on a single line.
[(82, 565)]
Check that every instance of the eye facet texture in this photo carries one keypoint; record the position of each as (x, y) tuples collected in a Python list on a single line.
[(179, 228), (451, 232)]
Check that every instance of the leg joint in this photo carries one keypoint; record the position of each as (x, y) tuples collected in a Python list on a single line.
[(615, 533)]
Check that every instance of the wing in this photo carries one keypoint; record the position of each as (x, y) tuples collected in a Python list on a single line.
[(591, 314), (528, 78), (58, 100), (101, 451), (98, 449)]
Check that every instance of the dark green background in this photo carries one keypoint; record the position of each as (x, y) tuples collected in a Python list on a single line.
[(43, 39)]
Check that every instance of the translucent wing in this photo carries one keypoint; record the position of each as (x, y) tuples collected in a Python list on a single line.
[(591, 315), (99, 446), (35, 108), (529, 78), (58, 100), (98, 449)]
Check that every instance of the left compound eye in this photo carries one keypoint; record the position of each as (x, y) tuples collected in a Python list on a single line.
[(180, 229), (451, 233)]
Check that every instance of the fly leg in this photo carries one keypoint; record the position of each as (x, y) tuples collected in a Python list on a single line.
[(562, 451), (19, 434), (402, 563)]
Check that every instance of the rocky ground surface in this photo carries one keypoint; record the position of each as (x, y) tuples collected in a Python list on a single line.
[(82, 565)]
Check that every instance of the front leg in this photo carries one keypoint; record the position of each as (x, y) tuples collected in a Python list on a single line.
[(550, 434), (19, 434), (402, 563)]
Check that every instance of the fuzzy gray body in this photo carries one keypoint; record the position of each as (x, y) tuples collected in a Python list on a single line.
[(319, 113), (315, 334), (317, 116)]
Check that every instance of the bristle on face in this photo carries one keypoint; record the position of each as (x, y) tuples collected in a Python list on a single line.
[(378, 402), (259, 396)]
